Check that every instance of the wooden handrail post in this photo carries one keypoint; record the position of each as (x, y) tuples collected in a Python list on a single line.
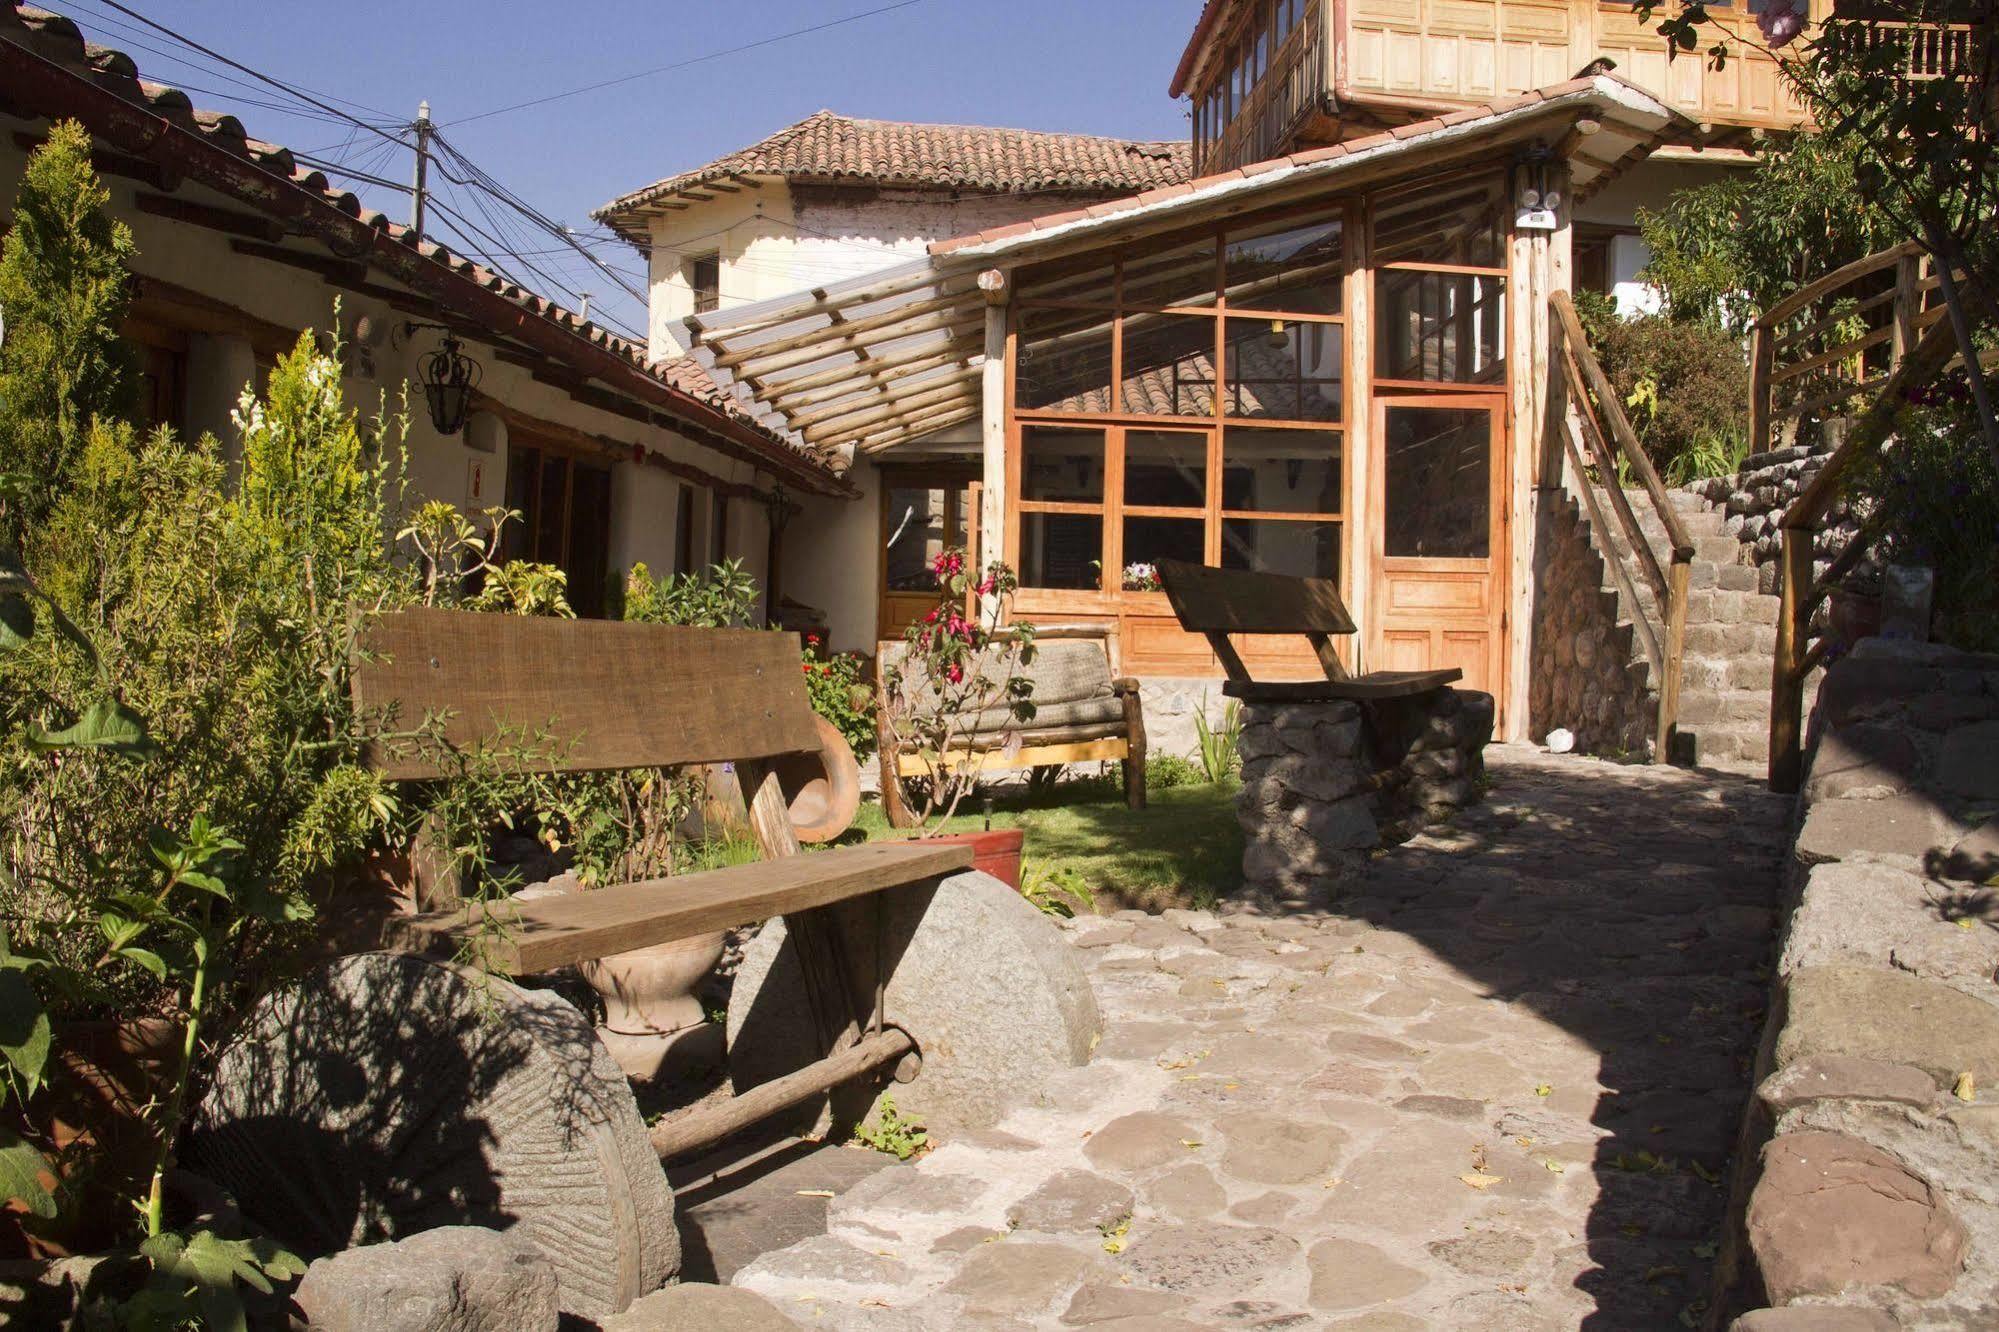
[(1908, 304), (1762, 359), (1673, 651), (1787, 683)]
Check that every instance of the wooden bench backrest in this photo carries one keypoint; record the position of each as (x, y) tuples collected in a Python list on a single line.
[(1220, 602), (606, 694)]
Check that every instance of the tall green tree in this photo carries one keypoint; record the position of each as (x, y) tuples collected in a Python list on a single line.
[(1929, 146), (64, 289)]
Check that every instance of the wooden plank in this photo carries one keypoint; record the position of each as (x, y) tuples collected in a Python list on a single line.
[(1811, 292), (1378, 685), (1842, 352), (608, 694), (1231, 601), (1104, 749), (1647, 640), (553, 932), (1675, 649), (1762, 355)]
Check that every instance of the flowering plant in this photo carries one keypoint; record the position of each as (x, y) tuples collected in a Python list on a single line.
[(1141, 578), (960, 665), (833, 682)]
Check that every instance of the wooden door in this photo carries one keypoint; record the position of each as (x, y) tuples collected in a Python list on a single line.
[(923, 514), (1439, 578)]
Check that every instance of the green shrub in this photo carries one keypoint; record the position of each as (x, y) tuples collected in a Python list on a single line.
[(64, 287), (840, 692), (1163, 772), (723, 598), (1685, 387)]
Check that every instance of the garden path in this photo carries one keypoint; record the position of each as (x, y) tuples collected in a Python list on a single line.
[(1497, 1089)]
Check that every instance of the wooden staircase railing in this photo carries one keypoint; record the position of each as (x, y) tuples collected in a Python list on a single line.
[(1583, 432), (1853, 333)]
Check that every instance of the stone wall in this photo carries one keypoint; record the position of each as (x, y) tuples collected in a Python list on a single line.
[(1583, 676), (1755, 499), (1868, 1178), (1325, 784)]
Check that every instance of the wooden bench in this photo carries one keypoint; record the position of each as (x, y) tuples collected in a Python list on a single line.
[(614, 696), (1220, 602), (1084, 712)]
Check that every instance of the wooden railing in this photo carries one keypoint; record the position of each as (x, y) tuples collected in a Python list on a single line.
[(1875, 329), (1931, 50), (1289, 91), (1587, 443)]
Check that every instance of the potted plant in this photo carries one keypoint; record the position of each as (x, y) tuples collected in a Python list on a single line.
[(960, 672)]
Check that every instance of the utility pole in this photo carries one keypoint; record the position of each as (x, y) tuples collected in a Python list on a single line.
[(422, 128), (585, 310)]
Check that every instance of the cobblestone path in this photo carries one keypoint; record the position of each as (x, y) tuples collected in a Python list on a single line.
[(1496, 1090)]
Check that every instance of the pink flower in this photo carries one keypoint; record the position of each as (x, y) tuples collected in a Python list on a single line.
[(1781, 25), (955, 674)]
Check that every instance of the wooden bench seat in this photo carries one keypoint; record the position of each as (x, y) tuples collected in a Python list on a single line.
[(551, 932), (1219, 602)]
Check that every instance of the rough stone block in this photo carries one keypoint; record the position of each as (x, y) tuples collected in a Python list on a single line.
[(1975, 856), (1864, 759), (1900, 825), (1969, 763), (1073, 1200), (1815, 1318), (1845, 1078), (1890, 1017), (1831, 1213), (987, 985), (453, 1279)]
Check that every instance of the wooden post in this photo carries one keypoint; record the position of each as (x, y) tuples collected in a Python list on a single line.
[(1908, 304), (1673, 652), (1762, 355), (992, 433), (1787, 685)]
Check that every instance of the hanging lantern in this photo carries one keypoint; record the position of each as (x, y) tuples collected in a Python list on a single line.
[(449, 376)]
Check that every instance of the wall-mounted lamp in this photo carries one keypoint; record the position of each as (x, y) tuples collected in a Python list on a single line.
[(448, 376), (1536, 193)]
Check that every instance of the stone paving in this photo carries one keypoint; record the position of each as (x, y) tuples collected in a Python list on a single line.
[(1497, 1089)]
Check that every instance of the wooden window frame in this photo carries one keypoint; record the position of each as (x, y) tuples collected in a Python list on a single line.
[(706, 299), (1213, 425), (523, 539)]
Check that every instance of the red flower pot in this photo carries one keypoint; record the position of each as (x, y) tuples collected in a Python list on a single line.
[(996, 852)]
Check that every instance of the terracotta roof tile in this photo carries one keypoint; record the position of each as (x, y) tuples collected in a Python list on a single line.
[(56, 37), (825, 148)]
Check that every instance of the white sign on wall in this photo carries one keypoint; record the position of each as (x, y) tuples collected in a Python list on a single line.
[(475, 481)]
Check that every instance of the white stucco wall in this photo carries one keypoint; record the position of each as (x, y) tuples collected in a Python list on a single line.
[(1649, 185), (773, 239)]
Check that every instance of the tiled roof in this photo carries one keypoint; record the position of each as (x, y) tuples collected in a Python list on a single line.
[(1350, 148), (57, 40), (825, 148)]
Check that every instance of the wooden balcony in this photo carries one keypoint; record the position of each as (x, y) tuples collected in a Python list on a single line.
[(1295, 87)]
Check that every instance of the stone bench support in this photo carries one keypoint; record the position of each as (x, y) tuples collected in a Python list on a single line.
[(1325, 784)]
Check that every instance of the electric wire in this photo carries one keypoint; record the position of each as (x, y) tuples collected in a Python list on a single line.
[(678, 64)]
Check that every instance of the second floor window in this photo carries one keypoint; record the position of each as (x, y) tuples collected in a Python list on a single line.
[(704, 278)]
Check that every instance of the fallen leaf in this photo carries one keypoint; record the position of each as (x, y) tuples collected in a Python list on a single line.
[(1190, 1142), (1524, 1141), (1481, 1182), (1544, 1090), (1964, 923), (1553, 1167), (815, 1193), (1663, 1270), (1966, 1088)]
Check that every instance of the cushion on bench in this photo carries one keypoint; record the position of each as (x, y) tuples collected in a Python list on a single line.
[(1072, 687)]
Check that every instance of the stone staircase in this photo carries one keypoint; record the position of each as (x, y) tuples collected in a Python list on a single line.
[(1724, 718)]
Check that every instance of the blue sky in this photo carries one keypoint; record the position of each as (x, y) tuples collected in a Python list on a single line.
[(1095, 66)]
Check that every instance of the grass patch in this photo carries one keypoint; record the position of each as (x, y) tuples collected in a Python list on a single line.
[(1184, 849)]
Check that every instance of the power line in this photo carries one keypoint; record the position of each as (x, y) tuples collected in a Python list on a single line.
[(680, 64), (258, 75)]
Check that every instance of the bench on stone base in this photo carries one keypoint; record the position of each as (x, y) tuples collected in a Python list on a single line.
[(1330, 768), (393, 1092)]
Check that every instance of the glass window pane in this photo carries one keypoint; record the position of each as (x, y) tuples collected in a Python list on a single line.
[(1292, 266), (918, 532), (1061, 464), (1062, 550), (1440, 328), (1283, 471), (1091, 278), (1444, 222), (1064, 360), (1166, 469), (1281, 546), (1147, 541), (1285, 370), (1181, 275), (1438, 486), (1169, 365)]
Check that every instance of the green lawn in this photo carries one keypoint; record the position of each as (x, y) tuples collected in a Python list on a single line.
[(1184, 849)]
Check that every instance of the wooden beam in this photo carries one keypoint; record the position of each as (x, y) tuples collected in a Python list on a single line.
[(838, 331), (617, 449), (230, 221), (894, 401), (678, 1134), (868, 375)]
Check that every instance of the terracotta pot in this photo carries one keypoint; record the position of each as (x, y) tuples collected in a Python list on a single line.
[(996, 852), (822, 790)]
